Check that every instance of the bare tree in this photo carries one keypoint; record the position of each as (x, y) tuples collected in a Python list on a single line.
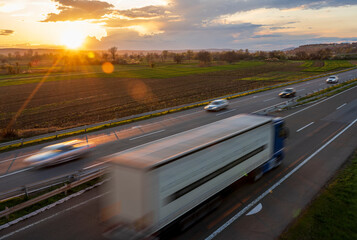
[(178, 58), (302, 55), (189, 55), (105, 56), (229, 56), (113, 51), (164, 55), (204, 56)]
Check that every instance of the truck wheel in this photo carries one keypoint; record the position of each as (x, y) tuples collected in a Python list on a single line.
[(255, 175), (277, 162)]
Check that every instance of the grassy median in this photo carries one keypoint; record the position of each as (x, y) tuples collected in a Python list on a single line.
[(333, 215)]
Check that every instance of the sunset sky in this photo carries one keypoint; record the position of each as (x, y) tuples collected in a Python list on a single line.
[(176, 24)]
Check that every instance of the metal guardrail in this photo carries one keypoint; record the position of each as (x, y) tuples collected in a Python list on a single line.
[(81, 128), (73, 179)]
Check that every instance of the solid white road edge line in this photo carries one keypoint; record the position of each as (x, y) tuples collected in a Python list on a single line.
[(254, 202), (304, 127), (148, 134), (19, 157), (95, 165), (269, 99), (12, 173), (48, 207), (226, 112)]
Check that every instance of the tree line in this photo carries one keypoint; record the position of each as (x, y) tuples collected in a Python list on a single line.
[(14, 63)]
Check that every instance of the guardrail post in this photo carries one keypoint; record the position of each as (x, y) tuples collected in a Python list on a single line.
[(22, 142), (71, 178), (65, 192), (26, 191), (7, 215)]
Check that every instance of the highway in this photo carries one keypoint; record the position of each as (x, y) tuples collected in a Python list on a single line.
[(14, 172), (322, 135)]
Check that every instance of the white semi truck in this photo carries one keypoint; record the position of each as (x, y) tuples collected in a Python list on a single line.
[(157, 183)]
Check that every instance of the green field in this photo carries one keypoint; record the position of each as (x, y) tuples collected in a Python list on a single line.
[(307, 69), (287, 71), (131, 71), (333, 215), (329, 65)]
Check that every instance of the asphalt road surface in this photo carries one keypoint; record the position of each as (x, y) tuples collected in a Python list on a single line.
[(322, 136), (14, 172)]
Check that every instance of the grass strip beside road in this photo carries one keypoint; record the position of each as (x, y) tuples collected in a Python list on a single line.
[(327, 92), (333, 214)]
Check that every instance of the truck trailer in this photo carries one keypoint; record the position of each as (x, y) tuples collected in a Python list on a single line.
[(155, 184)]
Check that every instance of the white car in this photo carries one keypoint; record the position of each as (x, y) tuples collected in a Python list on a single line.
[(58, 153), (217, 105), (332, 79)]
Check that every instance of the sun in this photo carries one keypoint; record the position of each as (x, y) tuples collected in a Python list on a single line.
[(72, 39)]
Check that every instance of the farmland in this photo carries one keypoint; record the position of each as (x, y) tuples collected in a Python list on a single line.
[(56, 101)]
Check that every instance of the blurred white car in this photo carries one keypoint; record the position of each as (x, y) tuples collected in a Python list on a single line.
[(287, 92), (332, 79), (58, 153), (217, 105)]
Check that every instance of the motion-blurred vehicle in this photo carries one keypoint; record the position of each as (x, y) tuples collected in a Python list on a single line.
[(179, 179), (287, 92), (58, 153), (332, 79), (217, 105)]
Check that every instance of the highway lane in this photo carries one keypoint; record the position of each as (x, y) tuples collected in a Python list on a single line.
[(283, 206), (16, 173), (325, 144), (324, 151)]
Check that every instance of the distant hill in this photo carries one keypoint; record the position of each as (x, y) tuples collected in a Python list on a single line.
[(336, 48)]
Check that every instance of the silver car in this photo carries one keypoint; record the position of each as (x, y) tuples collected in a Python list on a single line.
[(58, 153), (217, 105), (332, 79)]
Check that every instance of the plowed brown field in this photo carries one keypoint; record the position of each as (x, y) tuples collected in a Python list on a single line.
[(68, 103)]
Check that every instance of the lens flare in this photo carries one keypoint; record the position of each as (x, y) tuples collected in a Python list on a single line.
[(107, 67)]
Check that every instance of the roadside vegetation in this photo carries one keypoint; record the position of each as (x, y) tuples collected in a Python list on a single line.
[(333, 214), (329, 91)]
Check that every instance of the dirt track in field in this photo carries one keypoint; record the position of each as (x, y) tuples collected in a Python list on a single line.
[(69, 103)]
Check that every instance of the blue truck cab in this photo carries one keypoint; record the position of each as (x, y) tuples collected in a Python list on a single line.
[(280, 134)]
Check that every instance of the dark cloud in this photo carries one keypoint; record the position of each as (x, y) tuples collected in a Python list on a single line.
[(71, 10), (6, 32), (178, 37), (277, 28), (267, 36), (144, 12)]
